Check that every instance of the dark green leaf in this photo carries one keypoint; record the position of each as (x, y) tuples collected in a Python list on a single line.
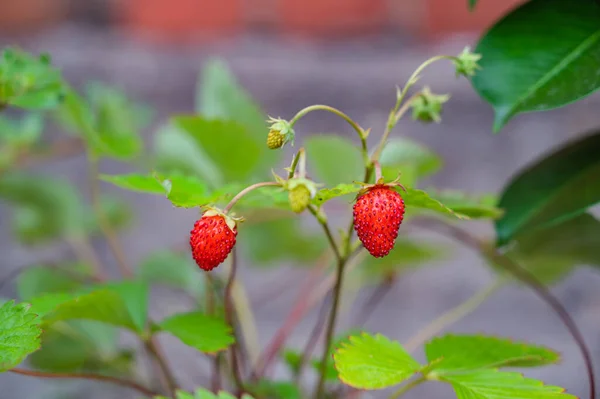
[(280, 239), (333, 160), (472, 4), (411, 160), (492, 384), (414, 198), (29, 82), (550, 254), (452, 353), (559, 186), (373, 362), (227, 144), (19, 334), (172, 268), (541, 56), (205, 333), (46, 208)]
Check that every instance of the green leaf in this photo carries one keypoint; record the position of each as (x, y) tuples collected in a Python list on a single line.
[(29, 82), (492, 384), (23, 132), (19, 334), (554, 188), (46, 208), (171, 268), (414, 198), (136, 182), (373, 362), (220, 96), (410, 159), (205, 333), (227, 144), (276, 390), (280, 239), (117, 211), (327, 194), (204, 394), (120, 304), (293, 360), (331, 373), (406, 254), (182, 191), (81, 345), (177, 153), (40, 280), (482, 207), (472, 4), (452, 353), (551, 253), (346, 166), (525, 69), (117, 121)]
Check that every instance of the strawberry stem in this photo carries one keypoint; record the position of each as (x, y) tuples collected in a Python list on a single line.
[(295, 161), (359, 130), (245, 191), (377, 166)]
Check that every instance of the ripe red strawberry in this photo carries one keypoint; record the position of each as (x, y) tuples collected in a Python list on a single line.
[(378, 214), (212, 239)]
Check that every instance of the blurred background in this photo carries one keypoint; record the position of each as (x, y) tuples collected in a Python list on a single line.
[(289, 54)]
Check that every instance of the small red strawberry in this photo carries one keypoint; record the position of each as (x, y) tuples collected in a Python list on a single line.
[(378, 213), (212, 239)]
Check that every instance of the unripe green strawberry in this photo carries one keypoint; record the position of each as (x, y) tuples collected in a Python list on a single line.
[(280, 133), (212, 239), (299, 198), (378, 214), (275, 139)]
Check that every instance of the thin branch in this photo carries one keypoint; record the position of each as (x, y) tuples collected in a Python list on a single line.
[(313, 339), (337, 293), (84, 250), (88, 376), (245, 191), (109, 233), (298, 311), (154, 349), (230, 318), (530, 280), (374, 300), (327, 230), (453, 315), (407, 387)]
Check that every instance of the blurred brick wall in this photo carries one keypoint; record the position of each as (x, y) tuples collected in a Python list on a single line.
[(185, 20)]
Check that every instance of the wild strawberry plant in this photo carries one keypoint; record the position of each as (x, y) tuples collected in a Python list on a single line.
[(226, 160)]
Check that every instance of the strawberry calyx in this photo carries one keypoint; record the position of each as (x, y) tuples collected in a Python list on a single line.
[(380, 183), (230, 219)]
